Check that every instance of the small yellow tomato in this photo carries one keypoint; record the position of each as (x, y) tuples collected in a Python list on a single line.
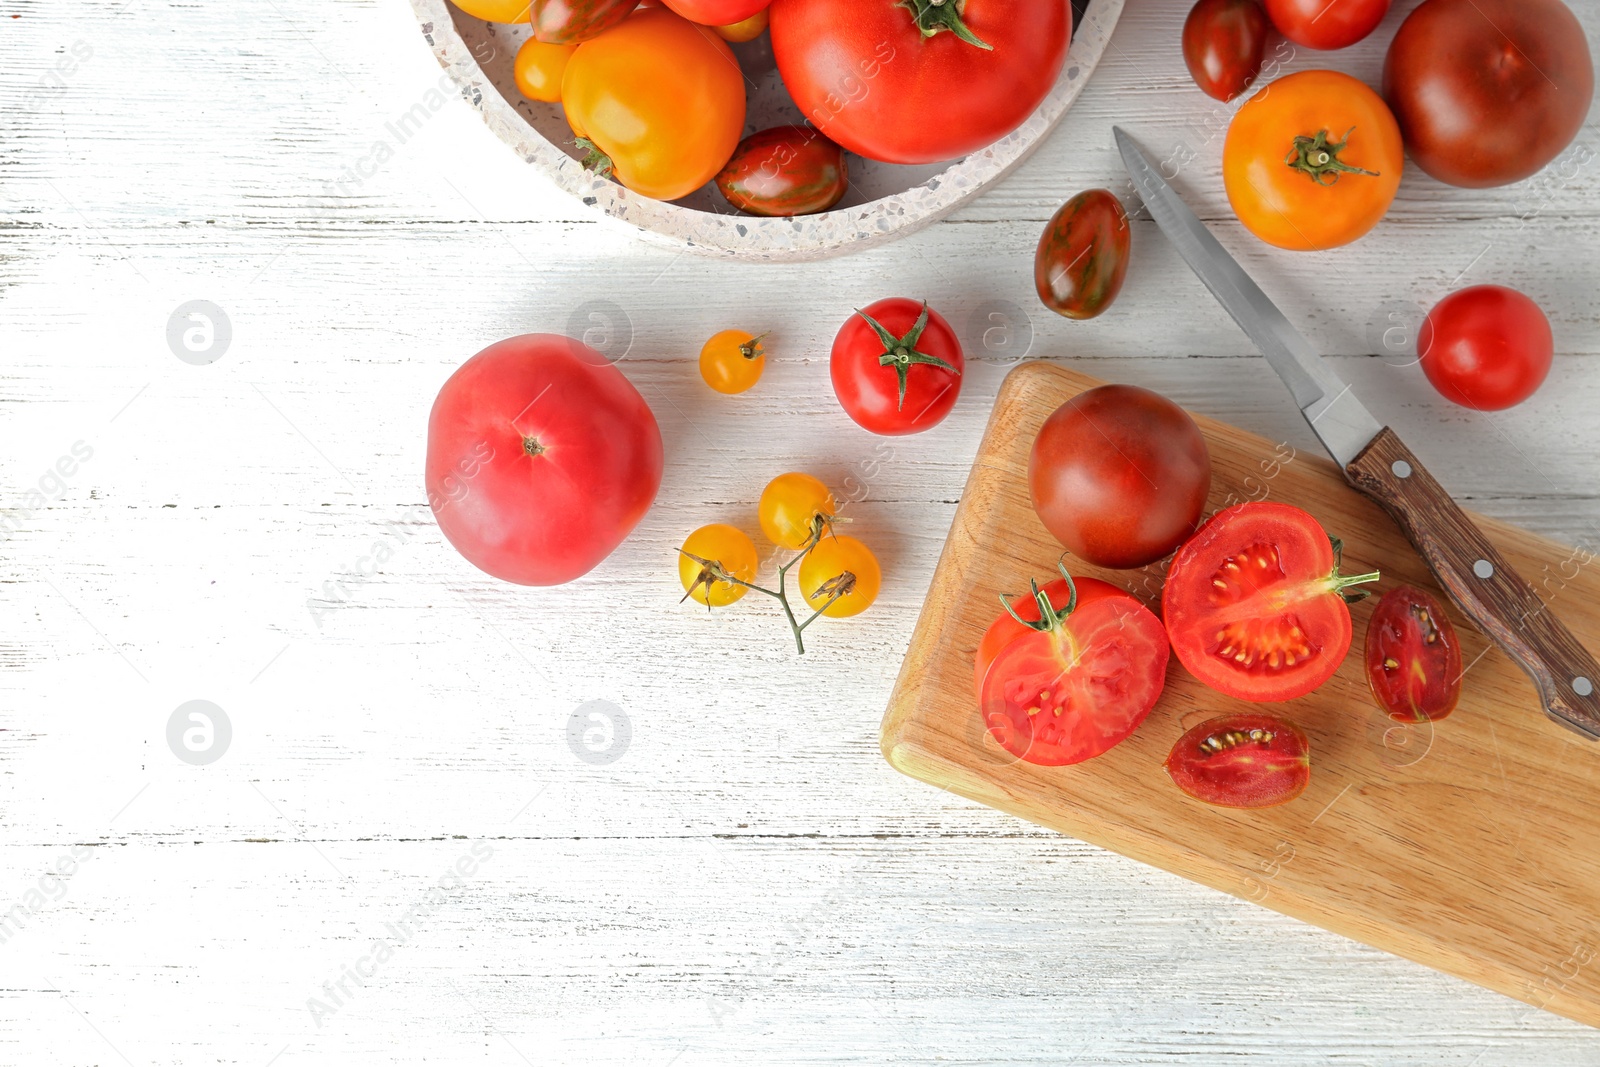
[(496, 10), (790, 505), (732, 361), (539, 68), (841, 570), (731, 550), (745, 29)]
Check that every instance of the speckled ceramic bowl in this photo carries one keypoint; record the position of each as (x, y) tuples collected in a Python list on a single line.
[(884, 202)]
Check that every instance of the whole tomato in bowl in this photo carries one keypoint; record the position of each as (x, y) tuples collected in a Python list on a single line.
[(919, 81), (542, 457)]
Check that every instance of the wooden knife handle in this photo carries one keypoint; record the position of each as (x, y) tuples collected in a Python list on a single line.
[(1482, 583)]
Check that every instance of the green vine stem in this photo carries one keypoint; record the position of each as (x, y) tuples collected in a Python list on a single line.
[(1317, 159), (901, 352), (593, 158), (933, 16), (711, 571), (1343, 582)]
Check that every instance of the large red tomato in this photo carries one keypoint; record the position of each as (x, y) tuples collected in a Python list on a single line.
[(1488, 91), (896, 367), (919, 81), (1119, 475), (542, 457)]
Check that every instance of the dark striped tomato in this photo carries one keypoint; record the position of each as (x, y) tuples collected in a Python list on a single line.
[(787, 170), (1413, 657), (1083, 255), (576, 21)]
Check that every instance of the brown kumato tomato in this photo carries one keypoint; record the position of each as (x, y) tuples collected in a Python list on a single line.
[(1082, 256), (1488, 91), (1119, 475), (787, 170), (1413, 657), (1223, 43)]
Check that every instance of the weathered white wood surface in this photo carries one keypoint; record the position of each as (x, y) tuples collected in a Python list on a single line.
[(747, 882)]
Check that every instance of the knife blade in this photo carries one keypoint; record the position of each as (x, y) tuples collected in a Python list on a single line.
[(1483, 584)]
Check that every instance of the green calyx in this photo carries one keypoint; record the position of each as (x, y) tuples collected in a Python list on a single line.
[(752, 349), (901, 352), (933, 16), (1342, 582), (1049, 618), (593, 158), (1318, 160)]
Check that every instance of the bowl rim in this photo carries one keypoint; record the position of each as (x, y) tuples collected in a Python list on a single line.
[(739, 236)]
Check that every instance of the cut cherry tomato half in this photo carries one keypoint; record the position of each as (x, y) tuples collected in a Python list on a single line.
[(1413, 657), (1074, 690), (1255, 605), (1007, 628), (1244, 760)]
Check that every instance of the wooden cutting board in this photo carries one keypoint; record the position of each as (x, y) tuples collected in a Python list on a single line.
[(1470, 845)]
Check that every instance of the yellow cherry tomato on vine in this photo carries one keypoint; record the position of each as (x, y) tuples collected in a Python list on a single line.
[(841, 570), (539, 68), (790, 505), (658, 102), (496, 10), (732, 361), (731, 549), (744, 30)]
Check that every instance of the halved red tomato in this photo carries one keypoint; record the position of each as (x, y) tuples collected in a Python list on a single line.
[(1244, 760), (1255, 604), (1074, 689), (1413, 657), (1008, 627)]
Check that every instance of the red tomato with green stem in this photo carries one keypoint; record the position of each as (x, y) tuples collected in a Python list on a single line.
[(1023, 613), (1244, 760), (896, 367), (1486, 347), (1119, 475), (919, 81), (1326, 24), (1255, 605), (1078, 682), (542, 457), (1223, 45), (1413, 657)]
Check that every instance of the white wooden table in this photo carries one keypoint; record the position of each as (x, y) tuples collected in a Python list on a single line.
[(739, 878)]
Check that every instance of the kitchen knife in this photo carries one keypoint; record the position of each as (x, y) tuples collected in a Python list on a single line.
[(1477, 577)]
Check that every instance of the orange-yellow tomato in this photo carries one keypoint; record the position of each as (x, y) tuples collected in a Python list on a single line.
[(539, 68), (789, 507), (745, 29), (732, 361), (660, 98), (496, 10), (1312, 161), (731, 549), (841, 573)]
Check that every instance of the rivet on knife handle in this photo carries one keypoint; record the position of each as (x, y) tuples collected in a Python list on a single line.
[(1482, 583)]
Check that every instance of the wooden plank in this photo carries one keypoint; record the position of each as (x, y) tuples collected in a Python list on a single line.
[(1466, 845)]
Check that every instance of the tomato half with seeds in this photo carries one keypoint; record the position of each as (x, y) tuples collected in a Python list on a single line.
[(1255, 604), (1079, 686), (1245, 760), (784, 171), (1008, 627), (1413, 657), (1082, 256)]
